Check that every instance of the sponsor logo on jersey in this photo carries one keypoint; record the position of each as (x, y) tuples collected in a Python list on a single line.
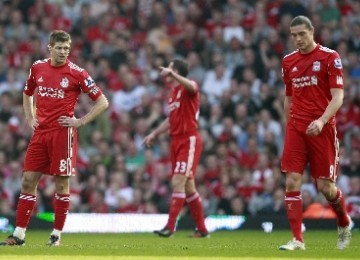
[(337, 63), (75, 67), (339, 80), (40, 79), (316, 66), (314, 80), (89, 82), (304, 81), (51, 92), (64, 83)]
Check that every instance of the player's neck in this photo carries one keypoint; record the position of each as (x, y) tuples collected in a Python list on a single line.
[(309, 49), (56, 64)]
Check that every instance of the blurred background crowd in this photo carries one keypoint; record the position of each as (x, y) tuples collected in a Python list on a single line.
[(234, 49)]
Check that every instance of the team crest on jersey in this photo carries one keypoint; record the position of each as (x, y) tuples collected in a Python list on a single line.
[(316, 66), (64, 82), (337, 63)]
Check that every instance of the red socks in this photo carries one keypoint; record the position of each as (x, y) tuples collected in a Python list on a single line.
[(196, 210), (24, 209), (294, 210), (177, 203), (338, 205), (61, 209)]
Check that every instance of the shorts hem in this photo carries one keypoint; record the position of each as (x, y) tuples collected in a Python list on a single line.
[(292, 171)]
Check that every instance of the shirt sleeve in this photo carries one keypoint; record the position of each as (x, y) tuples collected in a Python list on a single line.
[(335, 71), (88, 86), (196, 86), (286, 80), (30, 83)]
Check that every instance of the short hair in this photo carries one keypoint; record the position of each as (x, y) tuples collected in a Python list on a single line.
[(59, 36), (181, 66), (300, 20)]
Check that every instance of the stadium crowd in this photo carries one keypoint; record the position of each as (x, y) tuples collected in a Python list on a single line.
[(234, 49)]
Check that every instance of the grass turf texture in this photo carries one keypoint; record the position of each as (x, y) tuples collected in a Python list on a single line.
[(222, 245)]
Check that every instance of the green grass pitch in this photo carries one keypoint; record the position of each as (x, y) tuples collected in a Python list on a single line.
[(238, 244)]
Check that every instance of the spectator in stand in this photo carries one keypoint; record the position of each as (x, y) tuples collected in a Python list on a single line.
[(128, 98), (353, 168), (353, 197), (233, 28), (216, 81), (354, 41), (196, 70)]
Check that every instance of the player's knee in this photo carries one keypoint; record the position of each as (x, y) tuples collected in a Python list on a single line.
[(327, 191), (62, 185), (178, 183), (28, 184), (293, 182), (327, 188)]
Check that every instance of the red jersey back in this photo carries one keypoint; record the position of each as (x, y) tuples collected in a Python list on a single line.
[(58, 89), (308, 79), (184, 111)]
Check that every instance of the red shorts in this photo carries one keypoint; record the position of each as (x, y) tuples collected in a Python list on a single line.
[(185, 154), (52, 152), (321, 152)]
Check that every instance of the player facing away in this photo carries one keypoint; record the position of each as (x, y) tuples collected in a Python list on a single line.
[(52, 149), (185, 147), (313, 77)]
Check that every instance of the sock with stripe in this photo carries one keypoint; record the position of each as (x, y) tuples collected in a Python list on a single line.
[(61, 209), (24, 210), (177, 203), (293, 202), (338, 205), (196, 210)]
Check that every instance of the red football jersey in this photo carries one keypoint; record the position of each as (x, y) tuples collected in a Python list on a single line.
[(58, 89), (308, 79), (183, 111)]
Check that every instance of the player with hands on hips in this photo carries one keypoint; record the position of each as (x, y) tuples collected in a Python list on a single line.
[(53, 147)]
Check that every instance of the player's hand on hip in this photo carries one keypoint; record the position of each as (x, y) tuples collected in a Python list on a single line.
[(315, 127), (33, 123), (66, 121)]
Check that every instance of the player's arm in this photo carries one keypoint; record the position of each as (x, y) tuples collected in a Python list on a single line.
[(101, 104), (287, 105), (188, 84), (288, 92), (162, 128), (28, 106), (337, 96)]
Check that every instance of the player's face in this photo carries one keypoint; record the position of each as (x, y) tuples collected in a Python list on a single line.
[(303, 38), (59, 53)]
